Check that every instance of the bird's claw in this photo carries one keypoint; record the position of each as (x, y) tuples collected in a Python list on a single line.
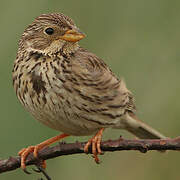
[(42, 170), (26, 171), (36, 170)]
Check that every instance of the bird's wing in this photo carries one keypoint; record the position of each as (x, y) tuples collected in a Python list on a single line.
[(98, 88)]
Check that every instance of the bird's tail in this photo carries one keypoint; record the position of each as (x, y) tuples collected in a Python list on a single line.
[(140, 129)]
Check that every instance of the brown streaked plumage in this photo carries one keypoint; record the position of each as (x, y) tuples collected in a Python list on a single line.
[(69, 88)]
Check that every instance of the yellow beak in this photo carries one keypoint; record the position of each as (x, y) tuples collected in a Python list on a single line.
[(73, 35)]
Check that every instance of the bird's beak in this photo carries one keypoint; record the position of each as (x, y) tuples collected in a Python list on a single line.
[(73, 35)]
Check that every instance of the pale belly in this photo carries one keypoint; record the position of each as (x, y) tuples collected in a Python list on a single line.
[(71, 125), (57, 114)]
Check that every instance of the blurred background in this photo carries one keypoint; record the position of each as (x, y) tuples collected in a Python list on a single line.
[(140, 41)]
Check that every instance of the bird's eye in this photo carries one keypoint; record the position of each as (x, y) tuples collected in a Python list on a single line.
[(49, 31)]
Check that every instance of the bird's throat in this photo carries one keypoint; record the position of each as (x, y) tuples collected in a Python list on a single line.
[(62, 48)]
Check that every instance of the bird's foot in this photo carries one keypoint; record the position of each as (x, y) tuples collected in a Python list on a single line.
[(26, 151), (95, 141), (34, 149)]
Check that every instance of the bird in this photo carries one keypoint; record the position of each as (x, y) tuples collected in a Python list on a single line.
[(68, 88)]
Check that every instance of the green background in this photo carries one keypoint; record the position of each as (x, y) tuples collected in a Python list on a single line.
[(140, 41)]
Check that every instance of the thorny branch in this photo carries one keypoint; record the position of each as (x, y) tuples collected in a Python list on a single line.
[(120, 144)]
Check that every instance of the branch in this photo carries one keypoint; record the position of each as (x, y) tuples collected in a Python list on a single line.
[(76, 148)]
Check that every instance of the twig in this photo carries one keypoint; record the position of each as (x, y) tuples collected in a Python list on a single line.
[(76, 148), (41, 170)]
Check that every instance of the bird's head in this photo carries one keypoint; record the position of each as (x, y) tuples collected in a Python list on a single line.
[(49, 33)]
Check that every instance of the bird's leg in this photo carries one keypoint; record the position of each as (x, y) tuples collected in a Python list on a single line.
[(95, 141), (26, 151)]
